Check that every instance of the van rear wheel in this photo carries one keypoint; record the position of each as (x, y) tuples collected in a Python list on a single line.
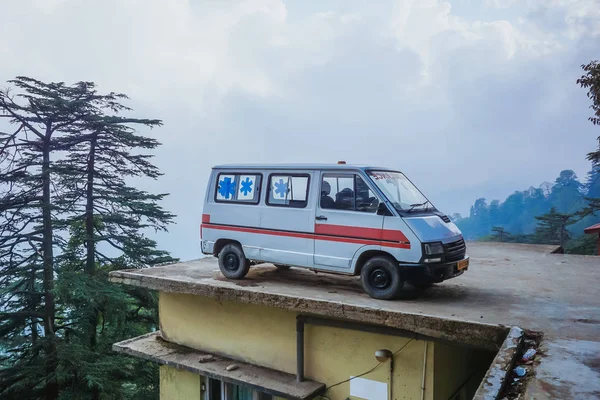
[(232, 261), (381, 278)]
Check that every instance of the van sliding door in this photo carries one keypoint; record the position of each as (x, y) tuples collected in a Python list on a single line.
[(287, 220), (346, 219)]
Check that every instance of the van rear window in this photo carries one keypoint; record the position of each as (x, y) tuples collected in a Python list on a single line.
[(288, 190), (238, 188)]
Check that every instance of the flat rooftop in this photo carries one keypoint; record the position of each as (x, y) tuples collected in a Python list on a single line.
[(506, 285)]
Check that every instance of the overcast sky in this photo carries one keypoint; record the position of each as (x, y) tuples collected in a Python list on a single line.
[(469, 98)]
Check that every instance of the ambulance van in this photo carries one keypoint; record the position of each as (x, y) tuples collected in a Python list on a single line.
[(337, 218)]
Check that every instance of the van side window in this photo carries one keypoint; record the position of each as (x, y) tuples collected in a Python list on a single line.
[(238, 188), (347, 192), (288, 190)]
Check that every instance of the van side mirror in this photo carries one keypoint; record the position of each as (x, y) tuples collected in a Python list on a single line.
[(383, 210)]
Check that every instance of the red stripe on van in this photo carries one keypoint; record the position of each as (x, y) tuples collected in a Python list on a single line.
[(361, 233), (341, 236), (259, 231)]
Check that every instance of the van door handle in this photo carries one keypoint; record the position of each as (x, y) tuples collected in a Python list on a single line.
[(321, 218)]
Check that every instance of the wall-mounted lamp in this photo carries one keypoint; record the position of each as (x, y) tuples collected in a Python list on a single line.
[(383, 355)]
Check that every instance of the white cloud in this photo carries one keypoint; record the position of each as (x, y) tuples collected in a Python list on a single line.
[(146, 47), (501, 3), (576, 18), (464, 103)]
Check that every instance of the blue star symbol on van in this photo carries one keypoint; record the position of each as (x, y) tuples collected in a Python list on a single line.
[(246, 186), (227, 188), (281, 188)]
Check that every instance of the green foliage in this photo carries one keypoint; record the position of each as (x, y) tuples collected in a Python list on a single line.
[(585, 244), (68, 216), (534, 215), (552, 227), (591, 81), (566, 193), (592, 186), (108, 313)]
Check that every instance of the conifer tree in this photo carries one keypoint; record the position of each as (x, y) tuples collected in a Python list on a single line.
[(108, 222), (552, 227), (590, 80), (499, 234), (39, 113), (69, 214)]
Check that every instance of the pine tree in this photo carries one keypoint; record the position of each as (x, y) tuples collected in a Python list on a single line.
[(512, 211), (535, 203), (480, 215), (566, 195), (499, 234), (40, 113), (592, 185), (552, 227), (68, 216), (494, 212), (101, 314), (590, 214), (109, 218), (591, 81)]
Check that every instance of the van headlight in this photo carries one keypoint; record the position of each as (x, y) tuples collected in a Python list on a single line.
[(434, 248)]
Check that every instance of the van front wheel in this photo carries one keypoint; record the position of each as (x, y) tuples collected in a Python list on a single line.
[(381, 278), (232, 261)]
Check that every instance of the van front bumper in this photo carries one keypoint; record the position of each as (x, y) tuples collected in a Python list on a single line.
[(435, 273)]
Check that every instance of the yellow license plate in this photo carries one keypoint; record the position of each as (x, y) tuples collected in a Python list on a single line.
[(462, 265)]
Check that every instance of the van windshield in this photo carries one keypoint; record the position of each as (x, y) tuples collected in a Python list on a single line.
[(400, 191)]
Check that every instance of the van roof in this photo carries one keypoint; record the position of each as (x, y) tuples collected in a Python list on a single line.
[(301, 166)]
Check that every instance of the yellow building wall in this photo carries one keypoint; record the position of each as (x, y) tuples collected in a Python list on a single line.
[(176, 384), (267, 336)]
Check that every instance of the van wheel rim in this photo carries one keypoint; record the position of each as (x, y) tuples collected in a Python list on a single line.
[(380, 279), (231, 262)]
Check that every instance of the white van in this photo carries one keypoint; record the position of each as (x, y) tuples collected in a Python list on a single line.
[(335, 218)]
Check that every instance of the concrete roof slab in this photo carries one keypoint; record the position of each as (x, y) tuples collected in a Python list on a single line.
[(303, 291), (506, 285)]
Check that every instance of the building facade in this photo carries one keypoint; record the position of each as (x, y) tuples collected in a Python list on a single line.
[(222, 341)]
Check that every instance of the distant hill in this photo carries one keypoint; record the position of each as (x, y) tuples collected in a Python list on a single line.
[(516, 215)]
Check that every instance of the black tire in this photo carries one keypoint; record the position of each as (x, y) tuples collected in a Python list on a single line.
[(381, 278), (232, 261), (282, 267)]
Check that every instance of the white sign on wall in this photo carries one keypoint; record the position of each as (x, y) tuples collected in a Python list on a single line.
[(368, 389)]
